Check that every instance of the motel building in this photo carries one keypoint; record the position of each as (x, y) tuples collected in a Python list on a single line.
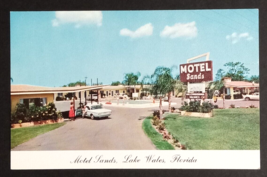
[(111, 91), (61, 96), (235, 89)]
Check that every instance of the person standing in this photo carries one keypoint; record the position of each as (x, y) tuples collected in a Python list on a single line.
[(84, 110), (71, 112)]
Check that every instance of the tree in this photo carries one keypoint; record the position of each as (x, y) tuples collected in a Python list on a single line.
[(254, 78), (131, 79), (163, 83), (73, 84), (177, 77), (236, 70), (116, 83), (219, 75), (11, 79)]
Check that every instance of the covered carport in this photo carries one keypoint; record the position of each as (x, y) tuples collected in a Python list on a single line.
[(79, 95)]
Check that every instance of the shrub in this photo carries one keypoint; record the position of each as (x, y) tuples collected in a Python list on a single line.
[(232, 106), (156, 113), (161, 127), (206, 107), (156, 122), (20, 113), (252, 106), (34, 113), (194, 106), (59, 114)]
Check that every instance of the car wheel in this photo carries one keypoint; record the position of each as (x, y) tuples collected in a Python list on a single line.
[(247, 99), (92, 117)]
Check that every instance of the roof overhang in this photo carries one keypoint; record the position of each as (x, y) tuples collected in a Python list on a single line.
[(56, 90)]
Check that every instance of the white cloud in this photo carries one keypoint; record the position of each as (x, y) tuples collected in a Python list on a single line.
[(145, 30), (188, 30), (234, 37), (78, 18)]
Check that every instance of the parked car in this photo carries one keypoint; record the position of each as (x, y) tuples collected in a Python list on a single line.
[(253, 96), (94, 111), (237, 92), (123, 95)]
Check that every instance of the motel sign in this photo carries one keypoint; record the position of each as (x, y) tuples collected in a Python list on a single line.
[(196, 72)]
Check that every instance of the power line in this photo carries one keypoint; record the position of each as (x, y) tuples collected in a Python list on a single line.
[(218, 22), (245, 17), (249, 10), (232, 19), (213, 20)]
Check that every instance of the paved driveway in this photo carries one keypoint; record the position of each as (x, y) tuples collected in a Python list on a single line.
[(123, 131)]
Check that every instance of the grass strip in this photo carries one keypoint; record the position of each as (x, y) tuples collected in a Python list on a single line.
[(155, 137), (21, 135)]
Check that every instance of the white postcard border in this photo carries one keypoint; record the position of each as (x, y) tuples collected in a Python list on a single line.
[(115, 159)]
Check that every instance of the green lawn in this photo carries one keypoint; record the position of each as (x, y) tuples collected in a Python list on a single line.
[(229, 129), (155, 137), (21, 135)]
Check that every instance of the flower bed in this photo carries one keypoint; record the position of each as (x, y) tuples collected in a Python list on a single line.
[(35, 115), (159, 126), (33, 123), (195, 109)]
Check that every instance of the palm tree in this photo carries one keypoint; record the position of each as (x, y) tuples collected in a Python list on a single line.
[(163, 83), (180, 87), (131, 79), (11, 79)]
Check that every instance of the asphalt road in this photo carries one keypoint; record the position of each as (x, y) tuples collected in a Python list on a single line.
[(122, 131)]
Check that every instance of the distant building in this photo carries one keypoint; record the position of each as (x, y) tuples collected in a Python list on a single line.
[(233, 88)]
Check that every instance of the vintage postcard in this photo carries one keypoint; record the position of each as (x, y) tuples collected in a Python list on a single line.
[(153, 89)]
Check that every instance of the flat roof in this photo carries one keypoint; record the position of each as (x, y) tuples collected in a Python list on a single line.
[(32, 89), (241, 84)]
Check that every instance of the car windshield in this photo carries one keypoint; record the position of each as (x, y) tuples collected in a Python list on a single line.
[(96, 107)]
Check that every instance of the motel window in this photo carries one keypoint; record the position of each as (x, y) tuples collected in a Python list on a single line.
[(123, 91), (59, 94), (28, 102), (106, 93), (117, 91)]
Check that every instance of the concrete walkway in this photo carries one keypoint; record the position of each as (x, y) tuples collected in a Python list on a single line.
[(122, 131)]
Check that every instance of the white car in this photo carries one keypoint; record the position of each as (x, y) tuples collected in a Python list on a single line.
[(122, 96), (96, 111), (253, 96)]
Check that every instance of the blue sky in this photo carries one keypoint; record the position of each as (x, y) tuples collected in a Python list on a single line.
[(56, 48)]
